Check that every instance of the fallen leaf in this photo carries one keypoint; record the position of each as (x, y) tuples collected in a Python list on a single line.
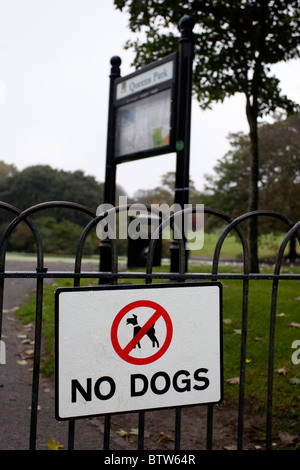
[(294, 324), (280, 314), (21, 335), (237, 332), (123, 433), (9, 310), (164, 437), (227, 321), (294, 381), (230, 447), (26, 341), (281, 371), (29, 352), (297, 298), (53, 445), (248, 361), (22, 363), (287, 438), (134, 431), (233, 380)]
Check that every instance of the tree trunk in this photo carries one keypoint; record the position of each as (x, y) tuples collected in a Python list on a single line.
[(253, 188), (292, 256)]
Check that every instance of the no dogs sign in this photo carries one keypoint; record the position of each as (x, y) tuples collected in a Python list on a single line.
[(155, 311), (128, 348)]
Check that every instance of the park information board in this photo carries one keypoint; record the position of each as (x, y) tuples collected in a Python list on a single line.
[(130, 347), (145, 102)]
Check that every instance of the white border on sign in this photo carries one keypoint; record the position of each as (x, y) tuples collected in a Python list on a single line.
[(85, 355)]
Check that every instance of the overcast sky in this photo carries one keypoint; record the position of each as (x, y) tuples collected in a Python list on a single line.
[(54, 69)]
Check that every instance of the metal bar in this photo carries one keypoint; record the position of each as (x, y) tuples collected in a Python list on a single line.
[(110, 166), (293, 231), (141, 433), (3, 247), (155, 275), (271, 365), (183, 123), (1, 303), (36, 364), (243, 366), (106, 436), (177, 428), (209, 427), (71, 434)]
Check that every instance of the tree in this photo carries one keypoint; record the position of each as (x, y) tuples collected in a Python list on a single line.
[(165, 192), (279, 174), (41, 183), (228, 186), (236, 42), (59, 227), (6, 170)]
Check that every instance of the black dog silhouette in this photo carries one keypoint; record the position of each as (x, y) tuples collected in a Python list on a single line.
[(136, 328)]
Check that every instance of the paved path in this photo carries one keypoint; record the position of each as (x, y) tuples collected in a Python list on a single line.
[(16, 379)]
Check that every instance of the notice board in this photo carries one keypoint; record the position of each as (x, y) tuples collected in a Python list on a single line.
[(145, 110)]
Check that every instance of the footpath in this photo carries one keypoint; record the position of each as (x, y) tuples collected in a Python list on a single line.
[(16, 381)]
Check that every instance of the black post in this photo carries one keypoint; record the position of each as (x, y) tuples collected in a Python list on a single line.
[(110, 170), (184, 101)]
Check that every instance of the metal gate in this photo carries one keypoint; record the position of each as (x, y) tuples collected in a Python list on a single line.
[(42, 273)]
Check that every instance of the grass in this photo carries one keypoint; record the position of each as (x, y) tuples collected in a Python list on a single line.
[(286, 376), (268, 245)]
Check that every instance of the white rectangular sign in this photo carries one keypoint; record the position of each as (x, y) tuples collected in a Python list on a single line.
[(141, 81), (130, 348)]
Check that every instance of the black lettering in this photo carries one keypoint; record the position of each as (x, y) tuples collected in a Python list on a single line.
[(167, 384), (186, 382), (87, 394), (97, 388), (133, 391), (202, 379)]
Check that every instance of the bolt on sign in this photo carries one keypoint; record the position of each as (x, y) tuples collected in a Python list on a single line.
[(130, 347)]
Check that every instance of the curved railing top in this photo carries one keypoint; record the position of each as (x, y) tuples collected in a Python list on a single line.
[(231, 224)]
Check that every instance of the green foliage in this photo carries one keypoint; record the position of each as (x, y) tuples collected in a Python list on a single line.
[(279, 174), (6, 171), (235, 43), (60, 228), (57, 237), (42, 183)]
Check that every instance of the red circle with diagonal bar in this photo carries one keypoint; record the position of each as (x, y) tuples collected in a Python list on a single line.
[(159, 312)]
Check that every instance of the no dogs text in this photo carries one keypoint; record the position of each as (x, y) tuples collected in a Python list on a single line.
[(159, 384)]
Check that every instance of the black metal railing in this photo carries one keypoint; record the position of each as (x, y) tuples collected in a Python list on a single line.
[(114, 276)]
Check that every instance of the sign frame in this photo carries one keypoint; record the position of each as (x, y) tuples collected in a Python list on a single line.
[(132, 287), (147, 92)]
